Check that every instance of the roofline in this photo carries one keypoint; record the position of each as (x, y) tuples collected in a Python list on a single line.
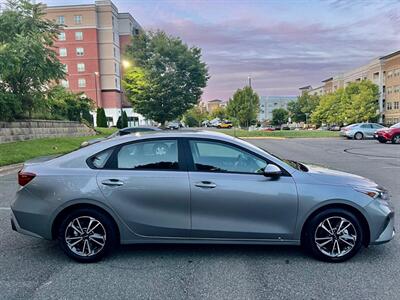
[(329, 79), (390, 55), (305, 87)]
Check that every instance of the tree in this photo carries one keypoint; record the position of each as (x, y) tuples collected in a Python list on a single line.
[(279, 116), (167, 76), (28, 62), (101, 119), (244, 106), (194, 117), (122, 122), (357, 102), (124, 119), (220, 113), (63, 104), (303, 107)]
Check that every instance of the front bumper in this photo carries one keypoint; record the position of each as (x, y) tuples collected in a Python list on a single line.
[(381, 221)]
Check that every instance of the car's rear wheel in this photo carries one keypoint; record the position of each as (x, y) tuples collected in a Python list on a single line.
[(358, 136), (87, 235), (396, 139), (333, 235)]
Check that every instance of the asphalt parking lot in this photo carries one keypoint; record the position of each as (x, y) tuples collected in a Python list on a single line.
[(34, 268)]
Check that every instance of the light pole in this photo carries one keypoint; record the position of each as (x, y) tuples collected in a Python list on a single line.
[(95, 86), (125, 65)]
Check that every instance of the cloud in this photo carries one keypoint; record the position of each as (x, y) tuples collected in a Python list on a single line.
[(280, 56)]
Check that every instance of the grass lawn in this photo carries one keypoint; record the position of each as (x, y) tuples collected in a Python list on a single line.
[(282, 133), (16, 152)]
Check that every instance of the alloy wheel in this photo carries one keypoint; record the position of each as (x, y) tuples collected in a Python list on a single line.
[(396, 139), (85, 236), (335, 236)]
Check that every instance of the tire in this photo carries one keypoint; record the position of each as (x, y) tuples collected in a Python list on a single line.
[(89, 249), (338, 249), (383, 141), (358, 136), (396, 139)]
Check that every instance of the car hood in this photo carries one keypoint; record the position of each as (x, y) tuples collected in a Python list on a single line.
[(328, 176)]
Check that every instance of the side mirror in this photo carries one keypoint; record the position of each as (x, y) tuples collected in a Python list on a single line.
[(272, 171)]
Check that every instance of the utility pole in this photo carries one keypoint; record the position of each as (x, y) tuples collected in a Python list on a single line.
[(251, 104)]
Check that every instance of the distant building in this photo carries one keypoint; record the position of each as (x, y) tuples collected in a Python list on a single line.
[(269, 103), (212, 105), (91, 48), (383, 71)]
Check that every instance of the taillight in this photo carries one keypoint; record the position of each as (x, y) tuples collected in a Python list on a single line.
[(25, 177)]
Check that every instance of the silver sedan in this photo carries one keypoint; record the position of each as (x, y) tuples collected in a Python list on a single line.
[(196, 187), (360, 131)]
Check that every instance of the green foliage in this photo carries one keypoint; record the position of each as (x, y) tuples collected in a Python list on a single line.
[(28, 62), (194, 117), (167, 77), (124, 119), (304, 105), (355, 103), (279, 116), (243, 107), (122, 122), (63, 104), (101, 119), (220, 113)]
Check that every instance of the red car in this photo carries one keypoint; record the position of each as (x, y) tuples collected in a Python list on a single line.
[(389, 134)]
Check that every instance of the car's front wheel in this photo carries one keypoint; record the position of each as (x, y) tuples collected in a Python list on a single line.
[(87, 235), (396, 139), (333, 235)]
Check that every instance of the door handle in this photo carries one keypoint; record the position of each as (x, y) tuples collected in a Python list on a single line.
[(205, 184), (112, 182)]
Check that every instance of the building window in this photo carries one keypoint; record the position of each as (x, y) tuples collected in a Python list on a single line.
[(81, 82), (65, 68), (116, 83), (396, 105), (60, 20), (64, 83), (115, 68), (115, 52), (136, 31), (78, 19), (78, 35), (63, 52), (114, 37), (80, 51), (61, 36), (112, 21), (81, 67)]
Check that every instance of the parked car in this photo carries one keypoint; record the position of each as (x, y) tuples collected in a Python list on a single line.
[(360, 131), (121, 132), (391, 134), (334, 128), (196, 187), (267, 128), (225, 124), (175, 125)]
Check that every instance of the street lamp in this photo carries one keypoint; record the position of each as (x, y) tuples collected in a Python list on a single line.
[(95, 86)]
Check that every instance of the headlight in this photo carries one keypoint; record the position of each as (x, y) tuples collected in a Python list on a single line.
[(373, 193)]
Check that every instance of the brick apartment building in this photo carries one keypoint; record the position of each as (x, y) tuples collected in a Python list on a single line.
[(91, 47), (384, 72)]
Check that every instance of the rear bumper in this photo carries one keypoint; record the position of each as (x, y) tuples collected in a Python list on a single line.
[(16, 227)]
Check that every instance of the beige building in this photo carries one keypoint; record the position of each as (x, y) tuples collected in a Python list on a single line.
[(391, 67), (212, 105), (380, 71)]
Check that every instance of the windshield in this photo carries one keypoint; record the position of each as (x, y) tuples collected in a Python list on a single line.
[(397, 125)]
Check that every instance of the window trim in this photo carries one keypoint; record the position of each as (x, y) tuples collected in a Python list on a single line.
[(112, 163), (192, 168)]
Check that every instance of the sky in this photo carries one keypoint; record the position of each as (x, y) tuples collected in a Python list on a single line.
[(282, 45)]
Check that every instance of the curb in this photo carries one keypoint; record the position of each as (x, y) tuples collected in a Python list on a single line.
[(5, 170)]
